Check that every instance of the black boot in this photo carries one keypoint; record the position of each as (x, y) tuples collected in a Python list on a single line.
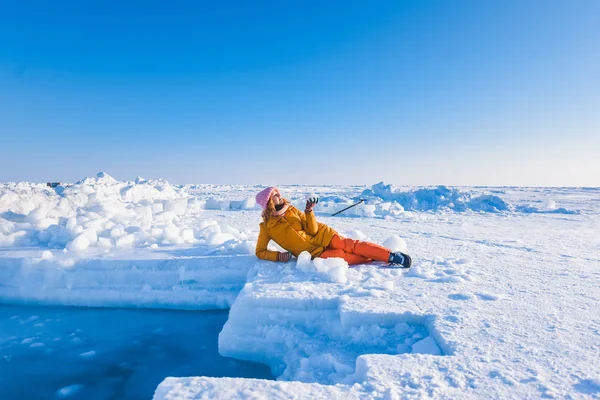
[(400, 259)]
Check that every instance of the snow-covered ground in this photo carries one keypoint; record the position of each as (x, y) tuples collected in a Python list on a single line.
[(502, 300)]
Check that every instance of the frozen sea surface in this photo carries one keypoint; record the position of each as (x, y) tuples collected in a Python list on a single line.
[(108, 353), (502, 301)]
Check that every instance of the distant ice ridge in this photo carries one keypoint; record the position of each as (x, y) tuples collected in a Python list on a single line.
[(442, 197)]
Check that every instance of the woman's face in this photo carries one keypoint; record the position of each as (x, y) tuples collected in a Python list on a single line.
[(277, 199)]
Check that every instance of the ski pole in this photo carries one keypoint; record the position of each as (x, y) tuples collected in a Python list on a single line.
[(361, 200)]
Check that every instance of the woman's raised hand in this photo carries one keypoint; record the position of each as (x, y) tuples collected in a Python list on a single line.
[(311, 203), (284, 257)]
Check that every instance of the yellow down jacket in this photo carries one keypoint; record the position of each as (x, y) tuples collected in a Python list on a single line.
[(296, 232)]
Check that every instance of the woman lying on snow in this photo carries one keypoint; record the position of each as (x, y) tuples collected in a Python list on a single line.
[(296, 232)]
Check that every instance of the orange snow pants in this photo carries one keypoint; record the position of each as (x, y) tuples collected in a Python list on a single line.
[(355, 251)]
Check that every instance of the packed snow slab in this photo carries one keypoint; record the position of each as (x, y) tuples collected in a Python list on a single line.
[(232, 388), (378, 377), (510, 301), (138, 279), (311, 330)]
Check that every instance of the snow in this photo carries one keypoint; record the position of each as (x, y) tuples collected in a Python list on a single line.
[(330, 269), (426, 346), (502, 300), (46, 255), (442, 197), (137, 278), (80, 243), (104, 213), (396, 243), (228, 388)]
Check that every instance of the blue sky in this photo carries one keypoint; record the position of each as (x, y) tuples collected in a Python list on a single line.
[(409, 92)]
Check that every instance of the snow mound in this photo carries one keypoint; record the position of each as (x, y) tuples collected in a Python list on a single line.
[(396, 243), (101, 213), (331, 269)]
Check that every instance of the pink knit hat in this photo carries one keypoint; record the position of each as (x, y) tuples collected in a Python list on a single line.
[(263, 196)]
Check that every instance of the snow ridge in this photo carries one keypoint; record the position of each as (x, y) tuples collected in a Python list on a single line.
[(442, 197), (103, 214)]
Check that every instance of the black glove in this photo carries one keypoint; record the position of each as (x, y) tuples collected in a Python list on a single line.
[(311, 203), (284, 257)]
